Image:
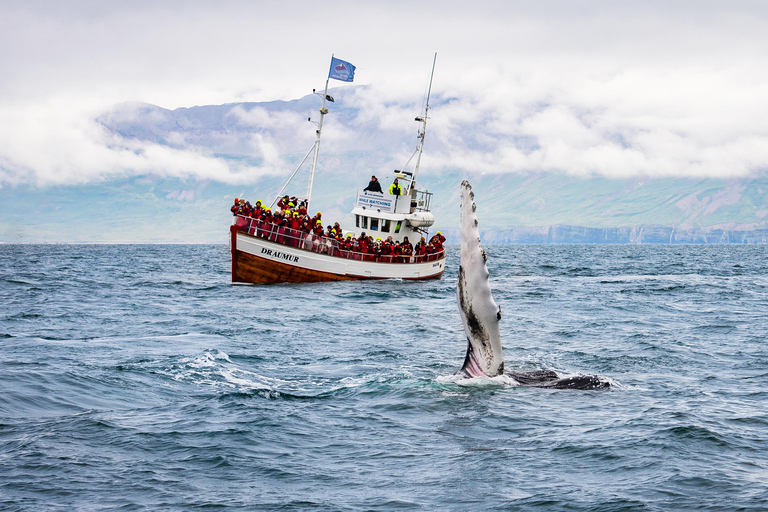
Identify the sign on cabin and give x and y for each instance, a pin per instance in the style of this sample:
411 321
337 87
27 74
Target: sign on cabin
375 201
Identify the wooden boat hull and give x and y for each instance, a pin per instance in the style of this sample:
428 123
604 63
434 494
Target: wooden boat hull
256 260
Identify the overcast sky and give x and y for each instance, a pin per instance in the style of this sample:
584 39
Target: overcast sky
613 88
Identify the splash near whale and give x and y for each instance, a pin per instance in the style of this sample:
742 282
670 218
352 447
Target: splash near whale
481 315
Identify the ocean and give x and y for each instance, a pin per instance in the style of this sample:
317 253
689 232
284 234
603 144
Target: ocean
137 377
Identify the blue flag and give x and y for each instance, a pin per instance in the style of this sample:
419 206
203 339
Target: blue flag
341 70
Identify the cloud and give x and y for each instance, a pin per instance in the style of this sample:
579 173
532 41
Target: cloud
62 144
690 122
181 195
616 89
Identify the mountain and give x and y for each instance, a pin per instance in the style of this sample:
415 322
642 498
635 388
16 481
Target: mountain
361 137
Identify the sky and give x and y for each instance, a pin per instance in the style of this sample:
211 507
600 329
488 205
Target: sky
617 89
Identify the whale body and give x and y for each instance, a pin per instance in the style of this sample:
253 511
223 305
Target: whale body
481 315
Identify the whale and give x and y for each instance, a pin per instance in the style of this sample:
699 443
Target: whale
481 315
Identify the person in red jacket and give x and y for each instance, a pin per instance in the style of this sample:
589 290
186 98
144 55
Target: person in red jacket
318 230
420 250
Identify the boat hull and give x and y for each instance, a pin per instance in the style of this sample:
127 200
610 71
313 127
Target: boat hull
256 260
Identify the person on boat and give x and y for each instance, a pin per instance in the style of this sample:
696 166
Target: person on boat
306 225
374 186
354 242
292 229
395 188
362 243
235 207
431 251
318 230
407 246
294 224
406 250
387 250
282 225
266 224
397 252
421 249
346 246
439 238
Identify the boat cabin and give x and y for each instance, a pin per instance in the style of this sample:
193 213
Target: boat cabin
381 215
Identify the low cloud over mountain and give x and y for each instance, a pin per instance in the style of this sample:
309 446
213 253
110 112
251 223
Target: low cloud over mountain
539 161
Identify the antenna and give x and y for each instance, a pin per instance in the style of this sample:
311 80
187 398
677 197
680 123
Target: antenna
422 133
426 110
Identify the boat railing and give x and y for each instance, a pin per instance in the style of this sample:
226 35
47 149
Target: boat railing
321 244
423 201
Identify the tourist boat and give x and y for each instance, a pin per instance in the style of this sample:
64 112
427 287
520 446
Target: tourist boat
265 253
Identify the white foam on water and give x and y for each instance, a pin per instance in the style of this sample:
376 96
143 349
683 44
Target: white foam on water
207 359
478 382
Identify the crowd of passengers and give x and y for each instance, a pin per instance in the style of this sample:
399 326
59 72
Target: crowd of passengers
291 225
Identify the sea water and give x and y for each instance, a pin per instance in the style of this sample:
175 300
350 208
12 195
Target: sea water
140 378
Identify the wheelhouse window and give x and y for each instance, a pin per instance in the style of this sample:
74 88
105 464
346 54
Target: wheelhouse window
365 222
398 226
374 224
385 225
357 221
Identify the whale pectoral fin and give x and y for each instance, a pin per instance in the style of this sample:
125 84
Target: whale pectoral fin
467 362
471 368
475 298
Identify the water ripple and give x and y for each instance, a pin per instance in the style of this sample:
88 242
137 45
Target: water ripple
138 378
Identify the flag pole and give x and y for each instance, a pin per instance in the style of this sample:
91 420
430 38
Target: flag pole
323 111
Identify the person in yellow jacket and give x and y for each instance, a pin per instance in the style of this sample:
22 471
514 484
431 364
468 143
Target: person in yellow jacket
395 189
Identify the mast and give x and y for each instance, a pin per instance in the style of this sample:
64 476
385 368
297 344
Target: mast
323 111
422 132
345 72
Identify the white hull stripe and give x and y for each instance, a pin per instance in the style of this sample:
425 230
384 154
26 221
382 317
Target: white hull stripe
335 265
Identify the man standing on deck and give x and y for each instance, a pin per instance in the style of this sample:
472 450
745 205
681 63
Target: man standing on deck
395 189
374 186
